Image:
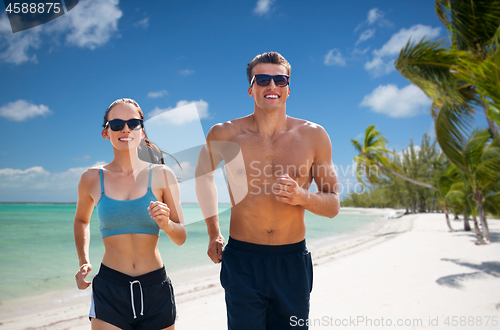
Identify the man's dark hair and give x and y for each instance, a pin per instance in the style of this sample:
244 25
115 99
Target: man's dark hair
269 57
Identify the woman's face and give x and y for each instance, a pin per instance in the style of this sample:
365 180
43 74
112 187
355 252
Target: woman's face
126 138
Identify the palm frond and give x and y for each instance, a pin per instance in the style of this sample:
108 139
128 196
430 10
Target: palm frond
452 123
430 66
474 23
492 204
357 145
443 11
485 76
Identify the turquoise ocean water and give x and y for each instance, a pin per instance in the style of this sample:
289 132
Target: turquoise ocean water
37 250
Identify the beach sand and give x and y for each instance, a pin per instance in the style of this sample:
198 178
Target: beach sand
410 273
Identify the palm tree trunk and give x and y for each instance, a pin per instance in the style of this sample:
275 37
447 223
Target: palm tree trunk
466 221
417 203
418 183
476 228
448 219
491 123
478 198
406 204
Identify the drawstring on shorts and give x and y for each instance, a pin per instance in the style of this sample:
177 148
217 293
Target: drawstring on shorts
132 297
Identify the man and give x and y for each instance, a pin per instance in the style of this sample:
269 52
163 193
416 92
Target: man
271 160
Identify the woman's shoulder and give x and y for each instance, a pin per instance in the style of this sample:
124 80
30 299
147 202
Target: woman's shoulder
162 171
89 181
91 174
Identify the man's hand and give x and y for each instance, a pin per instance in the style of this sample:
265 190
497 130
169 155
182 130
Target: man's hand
215 247
80 276
287 190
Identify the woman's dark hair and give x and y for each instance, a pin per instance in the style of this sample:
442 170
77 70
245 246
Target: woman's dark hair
147 151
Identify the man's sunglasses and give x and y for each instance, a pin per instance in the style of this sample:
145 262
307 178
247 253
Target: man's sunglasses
118 124
280 80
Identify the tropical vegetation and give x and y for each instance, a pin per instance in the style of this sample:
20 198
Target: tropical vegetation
461 74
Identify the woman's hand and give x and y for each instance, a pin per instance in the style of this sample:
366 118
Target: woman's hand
161 214
81 275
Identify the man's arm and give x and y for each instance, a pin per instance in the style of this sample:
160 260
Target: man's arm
206 192
326 201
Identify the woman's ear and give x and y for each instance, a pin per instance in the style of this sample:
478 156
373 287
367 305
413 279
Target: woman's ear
104 134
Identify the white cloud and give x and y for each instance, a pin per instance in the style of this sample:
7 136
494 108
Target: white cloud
399 39
390 100
143 23
157 94
32 171
378 67
357 51
186 72
367 34
15 46
374 15
91 23
5 24
38 184
182 117
407 150
263 7
383 58
88 25
22 110
334 57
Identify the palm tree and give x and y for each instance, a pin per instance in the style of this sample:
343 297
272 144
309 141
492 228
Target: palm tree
443 182
459 76
372 157
479 161
459 199
457 194
463 74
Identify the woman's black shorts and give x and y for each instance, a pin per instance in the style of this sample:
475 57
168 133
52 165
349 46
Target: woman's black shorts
133 303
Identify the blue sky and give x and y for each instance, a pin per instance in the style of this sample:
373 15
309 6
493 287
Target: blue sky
58 78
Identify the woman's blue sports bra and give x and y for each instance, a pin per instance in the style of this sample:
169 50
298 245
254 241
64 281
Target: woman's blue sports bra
118 217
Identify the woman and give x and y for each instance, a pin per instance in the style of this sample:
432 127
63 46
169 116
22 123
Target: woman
134 199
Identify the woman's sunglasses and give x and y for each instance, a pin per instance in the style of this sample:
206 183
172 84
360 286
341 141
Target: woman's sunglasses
280 80
118 124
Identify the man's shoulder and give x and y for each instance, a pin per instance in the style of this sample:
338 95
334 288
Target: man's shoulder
225 131
307 127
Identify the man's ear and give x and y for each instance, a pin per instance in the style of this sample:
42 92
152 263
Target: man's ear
104 134
250 91
288 93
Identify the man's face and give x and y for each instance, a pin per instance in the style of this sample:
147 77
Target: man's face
271 96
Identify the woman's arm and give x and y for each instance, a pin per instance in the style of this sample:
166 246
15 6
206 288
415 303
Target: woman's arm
168 212
81 228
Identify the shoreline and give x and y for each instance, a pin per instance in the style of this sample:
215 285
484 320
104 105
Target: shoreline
336 267
35 283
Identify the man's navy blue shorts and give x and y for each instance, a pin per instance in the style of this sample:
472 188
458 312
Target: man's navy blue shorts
266 286
133 303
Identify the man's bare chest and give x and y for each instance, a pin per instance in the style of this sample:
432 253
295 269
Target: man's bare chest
265 159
